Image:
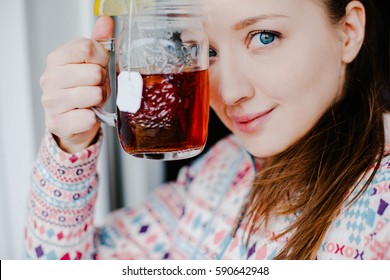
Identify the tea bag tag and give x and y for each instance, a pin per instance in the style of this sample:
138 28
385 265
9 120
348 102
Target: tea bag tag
129 94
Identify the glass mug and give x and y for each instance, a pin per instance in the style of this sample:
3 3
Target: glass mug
162 94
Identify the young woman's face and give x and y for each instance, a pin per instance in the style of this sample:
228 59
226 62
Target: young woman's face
275 68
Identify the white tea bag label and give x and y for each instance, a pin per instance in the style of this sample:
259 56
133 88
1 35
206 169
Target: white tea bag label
129 92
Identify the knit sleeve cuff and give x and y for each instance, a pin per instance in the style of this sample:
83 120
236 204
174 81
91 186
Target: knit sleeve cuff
68 168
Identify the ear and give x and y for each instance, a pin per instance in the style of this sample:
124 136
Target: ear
353 30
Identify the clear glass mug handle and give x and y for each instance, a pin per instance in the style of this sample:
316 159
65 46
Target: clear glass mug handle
103 116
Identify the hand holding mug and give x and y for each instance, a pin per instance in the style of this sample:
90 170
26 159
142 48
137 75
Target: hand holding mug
75 79
165 50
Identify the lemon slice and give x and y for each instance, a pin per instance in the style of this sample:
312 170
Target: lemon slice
111 7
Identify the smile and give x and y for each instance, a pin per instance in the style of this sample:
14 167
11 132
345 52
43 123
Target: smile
252 122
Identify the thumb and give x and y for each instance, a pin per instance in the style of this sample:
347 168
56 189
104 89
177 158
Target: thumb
103 29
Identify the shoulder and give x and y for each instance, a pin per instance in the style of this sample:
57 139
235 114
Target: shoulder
378 192
362 229
379 189
377 214
377 211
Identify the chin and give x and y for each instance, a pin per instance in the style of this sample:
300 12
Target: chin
259 153
264 148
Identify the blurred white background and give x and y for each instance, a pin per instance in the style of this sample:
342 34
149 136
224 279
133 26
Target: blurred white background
29 31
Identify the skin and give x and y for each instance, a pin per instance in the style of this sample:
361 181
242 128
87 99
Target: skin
269 95
74 80
293 80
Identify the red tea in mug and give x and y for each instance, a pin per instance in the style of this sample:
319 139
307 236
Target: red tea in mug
173 116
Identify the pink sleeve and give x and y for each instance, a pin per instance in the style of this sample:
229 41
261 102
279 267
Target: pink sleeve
61 203
61 206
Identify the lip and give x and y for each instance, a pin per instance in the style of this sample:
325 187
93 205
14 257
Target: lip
251 122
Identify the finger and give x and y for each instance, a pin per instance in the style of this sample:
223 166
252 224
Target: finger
73 75
79 51
75 98
72 123
103 29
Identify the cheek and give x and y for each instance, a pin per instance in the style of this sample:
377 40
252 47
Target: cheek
311 77
304 92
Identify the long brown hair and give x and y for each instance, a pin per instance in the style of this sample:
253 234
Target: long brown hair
315 176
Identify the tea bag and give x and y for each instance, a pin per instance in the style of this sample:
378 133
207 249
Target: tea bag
130 83
129 93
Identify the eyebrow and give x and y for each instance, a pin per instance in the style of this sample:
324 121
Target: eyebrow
249 21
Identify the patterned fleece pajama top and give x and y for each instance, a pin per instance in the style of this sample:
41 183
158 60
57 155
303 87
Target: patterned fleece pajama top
191 218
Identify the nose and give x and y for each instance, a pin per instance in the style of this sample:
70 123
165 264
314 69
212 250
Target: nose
233 83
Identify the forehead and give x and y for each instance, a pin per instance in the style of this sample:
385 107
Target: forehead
233 11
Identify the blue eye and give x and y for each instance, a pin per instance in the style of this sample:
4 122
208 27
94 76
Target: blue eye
262 39
212 53
266 38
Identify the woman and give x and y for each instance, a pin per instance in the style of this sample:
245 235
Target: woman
299 84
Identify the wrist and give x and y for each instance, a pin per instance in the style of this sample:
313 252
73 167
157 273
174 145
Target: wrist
79 144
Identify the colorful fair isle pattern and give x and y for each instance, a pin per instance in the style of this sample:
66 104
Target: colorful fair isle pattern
192 218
